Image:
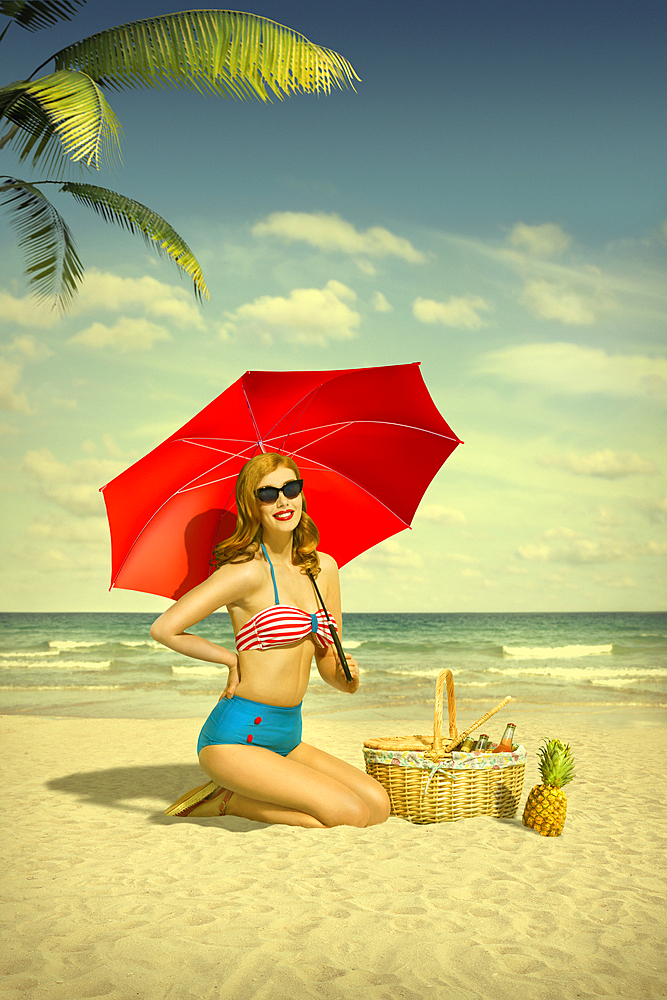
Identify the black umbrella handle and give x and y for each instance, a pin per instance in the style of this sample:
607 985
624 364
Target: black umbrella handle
334 633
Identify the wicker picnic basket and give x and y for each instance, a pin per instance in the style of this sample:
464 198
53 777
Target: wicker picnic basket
428 781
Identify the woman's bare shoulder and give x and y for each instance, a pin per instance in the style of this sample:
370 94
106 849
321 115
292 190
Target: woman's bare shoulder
328 564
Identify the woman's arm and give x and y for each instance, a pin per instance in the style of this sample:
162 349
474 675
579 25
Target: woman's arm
328 666
222 588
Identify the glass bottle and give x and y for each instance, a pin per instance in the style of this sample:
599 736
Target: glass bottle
505 745
467 745
482 743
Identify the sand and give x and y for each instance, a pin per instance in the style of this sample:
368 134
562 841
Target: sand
104 896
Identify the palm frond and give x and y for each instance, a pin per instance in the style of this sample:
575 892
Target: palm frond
64 114
53 266
214 51
35 14
140 220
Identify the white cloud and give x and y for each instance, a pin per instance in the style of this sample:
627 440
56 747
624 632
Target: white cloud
390 554
25 346
460 312
606 464
558 301
88 531
127 334
569 368
330 232
26 311
310 316
104 290
436 514
563 545
380 303
17 352
547 240
74 487
10 375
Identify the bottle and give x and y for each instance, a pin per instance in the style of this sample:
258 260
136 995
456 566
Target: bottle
482 743
466 746
505 745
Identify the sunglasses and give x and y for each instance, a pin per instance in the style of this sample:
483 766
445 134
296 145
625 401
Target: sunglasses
269 494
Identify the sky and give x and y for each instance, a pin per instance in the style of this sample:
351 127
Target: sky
490 202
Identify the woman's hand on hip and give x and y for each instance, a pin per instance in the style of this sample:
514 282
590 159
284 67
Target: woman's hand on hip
232 681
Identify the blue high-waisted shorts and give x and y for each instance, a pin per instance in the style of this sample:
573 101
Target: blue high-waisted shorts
239 720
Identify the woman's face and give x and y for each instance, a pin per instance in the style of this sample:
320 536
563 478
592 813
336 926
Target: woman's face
283 515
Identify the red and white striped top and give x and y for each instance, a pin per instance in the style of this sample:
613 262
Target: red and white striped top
281 625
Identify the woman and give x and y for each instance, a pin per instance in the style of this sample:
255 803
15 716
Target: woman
250 745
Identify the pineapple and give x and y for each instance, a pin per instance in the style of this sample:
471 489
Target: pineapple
547 805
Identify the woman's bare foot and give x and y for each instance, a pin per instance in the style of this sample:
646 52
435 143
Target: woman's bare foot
215 805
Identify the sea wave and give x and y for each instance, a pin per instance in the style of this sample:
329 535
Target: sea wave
203 671
61 687
27 653
58 664
554 652
73 644
596 675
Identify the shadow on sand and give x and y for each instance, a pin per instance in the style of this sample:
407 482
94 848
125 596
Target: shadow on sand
119 787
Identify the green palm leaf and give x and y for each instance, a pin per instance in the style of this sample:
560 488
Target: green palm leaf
53 265
139 219
63 115
35 14
213 51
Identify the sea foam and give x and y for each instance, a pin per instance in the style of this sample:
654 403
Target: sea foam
554 652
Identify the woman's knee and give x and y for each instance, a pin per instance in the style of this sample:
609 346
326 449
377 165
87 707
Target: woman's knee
380 805
348 810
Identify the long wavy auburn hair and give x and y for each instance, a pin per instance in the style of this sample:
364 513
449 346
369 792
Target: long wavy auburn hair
243 544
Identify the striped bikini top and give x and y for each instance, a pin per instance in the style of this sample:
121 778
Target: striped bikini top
282 625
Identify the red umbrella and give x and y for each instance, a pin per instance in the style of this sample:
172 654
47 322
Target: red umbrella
367 441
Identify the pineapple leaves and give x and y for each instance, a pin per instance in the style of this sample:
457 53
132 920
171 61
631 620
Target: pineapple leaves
213 51
142 221
60 117
35 14
53 266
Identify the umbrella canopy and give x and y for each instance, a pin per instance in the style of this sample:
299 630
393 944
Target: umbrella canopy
367 441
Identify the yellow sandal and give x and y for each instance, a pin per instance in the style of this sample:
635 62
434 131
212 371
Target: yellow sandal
183 807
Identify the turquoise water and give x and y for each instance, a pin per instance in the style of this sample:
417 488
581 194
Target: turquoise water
106 665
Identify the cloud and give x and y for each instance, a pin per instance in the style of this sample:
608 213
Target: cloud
605 464
125 335
436 514
10 375
17 352
26 347
390 554
569 368
309 316
74 487
547 240
104 290
457 312
26 311
88 531
380 303
563 545
558 301
330 232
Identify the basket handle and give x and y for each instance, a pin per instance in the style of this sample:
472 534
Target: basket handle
444 677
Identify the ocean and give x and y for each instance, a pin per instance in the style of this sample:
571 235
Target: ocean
106 665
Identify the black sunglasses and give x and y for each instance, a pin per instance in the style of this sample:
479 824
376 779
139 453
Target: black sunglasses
269 494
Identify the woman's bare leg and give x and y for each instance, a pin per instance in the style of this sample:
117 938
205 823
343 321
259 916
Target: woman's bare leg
367 788
274 789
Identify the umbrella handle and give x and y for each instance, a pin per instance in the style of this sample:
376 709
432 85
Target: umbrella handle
334 633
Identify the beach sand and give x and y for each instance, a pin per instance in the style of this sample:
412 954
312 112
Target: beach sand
104 896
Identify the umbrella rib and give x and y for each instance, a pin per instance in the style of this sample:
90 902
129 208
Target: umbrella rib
358 486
